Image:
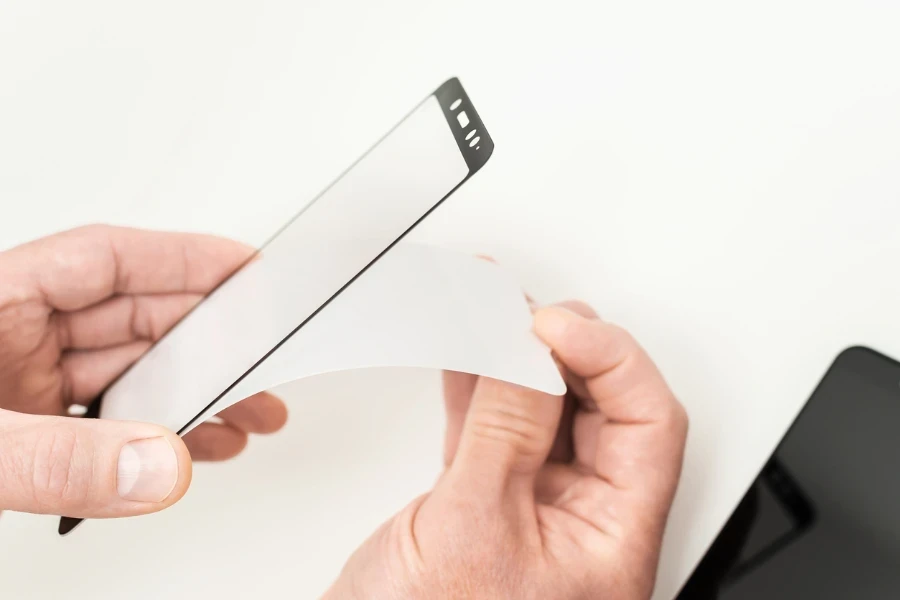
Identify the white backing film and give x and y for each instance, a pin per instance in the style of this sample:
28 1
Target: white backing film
419 306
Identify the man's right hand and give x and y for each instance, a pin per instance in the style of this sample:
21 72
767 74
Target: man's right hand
543 498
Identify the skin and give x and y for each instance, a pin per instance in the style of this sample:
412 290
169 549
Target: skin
76 309
541 497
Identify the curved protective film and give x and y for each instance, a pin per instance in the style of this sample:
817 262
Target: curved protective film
308 263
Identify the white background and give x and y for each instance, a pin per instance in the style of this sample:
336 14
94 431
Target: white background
722 179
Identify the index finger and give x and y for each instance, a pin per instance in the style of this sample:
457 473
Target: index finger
78 268
641 442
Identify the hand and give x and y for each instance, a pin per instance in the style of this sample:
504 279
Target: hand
76 309
542 497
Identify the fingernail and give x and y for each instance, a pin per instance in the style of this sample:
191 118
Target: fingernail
552 322
148 470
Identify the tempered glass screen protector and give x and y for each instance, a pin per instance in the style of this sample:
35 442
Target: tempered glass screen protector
309 262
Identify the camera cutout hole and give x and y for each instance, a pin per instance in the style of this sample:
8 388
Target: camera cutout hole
463 118
456 104
470 134
474 141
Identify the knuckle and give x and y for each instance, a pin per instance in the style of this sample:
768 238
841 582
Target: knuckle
676 415
511 428
58 474
90 231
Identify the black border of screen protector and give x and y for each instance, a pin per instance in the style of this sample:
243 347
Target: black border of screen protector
720 565
476 148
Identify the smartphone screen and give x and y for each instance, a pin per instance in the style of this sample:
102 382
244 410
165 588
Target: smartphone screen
823 518
330 243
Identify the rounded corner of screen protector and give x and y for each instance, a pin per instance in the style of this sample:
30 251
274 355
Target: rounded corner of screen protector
311 260
473 139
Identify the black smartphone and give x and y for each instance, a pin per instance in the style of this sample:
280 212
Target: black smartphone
822 519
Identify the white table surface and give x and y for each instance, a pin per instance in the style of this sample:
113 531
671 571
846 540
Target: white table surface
723 180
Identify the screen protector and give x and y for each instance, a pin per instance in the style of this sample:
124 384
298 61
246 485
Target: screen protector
307 264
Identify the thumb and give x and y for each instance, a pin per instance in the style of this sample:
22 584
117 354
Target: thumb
89 468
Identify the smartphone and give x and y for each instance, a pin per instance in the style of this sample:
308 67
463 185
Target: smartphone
822 519
327 246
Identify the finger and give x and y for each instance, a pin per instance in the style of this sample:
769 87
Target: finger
105 261
553 481
587 498
506 437
215 442
122 319
88 372
563 450
260 413
579 307
458 389
89 468
641 443
575 384
586 428
577 388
